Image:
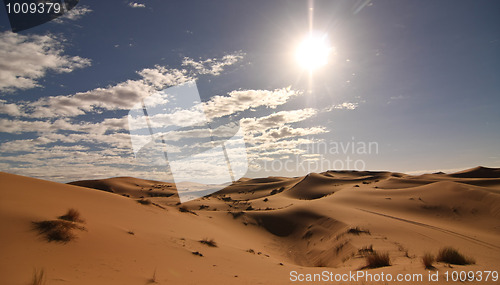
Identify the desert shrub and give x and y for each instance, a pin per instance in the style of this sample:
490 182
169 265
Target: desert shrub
197 253
57 230
209 242
452 256
357 231
72 215
60 230
376 260
428 260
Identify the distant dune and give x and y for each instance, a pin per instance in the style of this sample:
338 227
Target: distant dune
129 186
256 231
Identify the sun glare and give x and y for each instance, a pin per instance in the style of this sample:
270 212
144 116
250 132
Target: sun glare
313 52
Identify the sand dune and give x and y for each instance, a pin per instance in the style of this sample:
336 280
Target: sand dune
478 172
133 187
262 228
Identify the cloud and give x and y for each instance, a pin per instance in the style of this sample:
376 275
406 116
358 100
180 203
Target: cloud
55 140
9 109
70 163
429 171
161 76
272 148
63 124
396 98
240 100
212 66
60 140
137 5
343 106
259 125
287 132
216 107
121 96
27 58
270 136
74 14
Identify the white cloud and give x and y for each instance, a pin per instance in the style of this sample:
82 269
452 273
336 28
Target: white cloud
137 5
17 126
223 131
27 58
241 100
259 125
281 147
430 171
311 155
287 132
121 96
70 163
59 141
101 147
160 76
73 14
271 135
342 106
63 124
9 109
212 66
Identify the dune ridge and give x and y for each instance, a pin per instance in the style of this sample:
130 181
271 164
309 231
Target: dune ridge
263 228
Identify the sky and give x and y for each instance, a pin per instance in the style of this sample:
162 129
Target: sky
409 86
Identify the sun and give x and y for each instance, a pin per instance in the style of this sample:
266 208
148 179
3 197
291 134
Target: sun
312 53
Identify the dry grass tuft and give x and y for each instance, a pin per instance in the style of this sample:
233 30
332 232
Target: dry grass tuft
209 242
38 277
376 260
357 231
57 230
60 230
72 215
153 278
366 250
428 261
197 253
452 256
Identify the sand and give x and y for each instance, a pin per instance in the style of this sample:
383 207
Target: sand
263 229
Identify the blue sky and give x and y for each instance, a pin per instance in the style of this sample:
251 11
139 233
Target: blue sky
418 79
